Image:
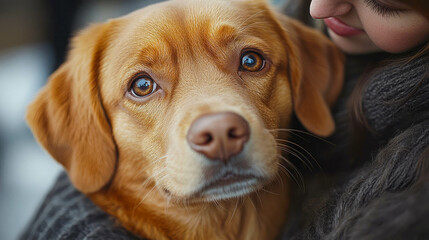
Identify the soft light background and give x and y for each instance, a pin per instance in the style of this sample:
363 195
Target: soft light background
27 58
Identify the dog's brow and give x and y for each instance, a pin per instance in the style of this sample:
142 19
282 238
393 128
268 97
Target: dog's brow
224 34
149 56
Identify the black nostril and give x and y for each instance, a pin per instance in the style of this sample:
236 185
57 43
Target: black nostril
208 138
232 133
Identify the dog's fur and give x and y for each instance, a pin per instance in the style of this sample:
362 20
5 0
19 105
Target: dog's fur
131 157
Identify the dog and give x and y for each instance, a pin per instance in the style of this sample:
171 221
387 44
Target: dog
169 118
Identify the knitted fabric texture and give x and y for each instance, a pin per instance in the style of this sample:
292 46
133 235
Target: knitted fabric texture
68 214
388 197
395 94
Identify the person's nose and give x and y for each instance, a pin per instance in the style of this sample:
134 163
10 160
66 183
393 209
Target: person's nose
329 8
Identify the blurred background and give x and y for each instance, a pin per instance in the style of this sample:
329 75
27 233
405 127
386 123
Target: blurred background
34 38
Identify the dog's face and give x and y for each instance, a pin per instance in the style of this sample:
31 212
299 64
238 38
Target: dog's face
186 97
192 99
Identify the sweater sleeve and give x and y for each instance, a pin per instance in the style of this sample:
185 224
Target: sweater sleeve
68 214
385 199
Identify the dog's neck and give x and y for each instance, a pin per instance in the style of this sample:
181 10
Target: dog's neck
259 215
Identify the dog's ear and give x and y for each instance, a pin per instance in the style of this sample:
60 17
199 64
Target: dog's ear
316 71
68 117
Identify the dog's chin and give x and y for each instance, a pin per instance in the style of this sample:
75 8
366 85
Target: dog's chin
225 187
230 186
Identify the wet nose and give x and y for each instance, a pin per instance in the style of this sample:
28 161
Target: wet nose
329 8
219 136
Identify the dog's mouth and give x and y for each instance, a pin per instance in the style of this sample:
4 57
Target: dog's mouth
229 185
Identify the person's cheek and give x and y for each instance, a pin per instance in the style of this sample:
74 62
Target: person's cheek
388 39
398 34
395 40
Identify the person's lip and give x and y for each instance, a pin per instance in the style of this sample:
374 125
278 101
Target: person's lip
340 28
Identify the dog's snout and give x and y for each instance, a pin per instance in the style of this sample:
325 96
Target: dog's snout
219 136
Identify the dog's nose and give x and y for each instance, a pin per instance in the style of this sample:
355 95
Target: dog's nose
219 136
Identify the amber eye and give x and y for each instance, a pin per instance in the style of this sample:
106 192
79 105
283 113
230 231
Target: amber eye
143 86
252 62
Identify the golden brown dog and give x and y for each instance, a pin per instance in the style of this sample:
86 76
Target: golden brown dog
168 118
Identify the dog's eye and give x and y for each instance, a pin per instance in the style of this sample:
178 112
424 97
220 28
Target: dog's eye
252 62
143 86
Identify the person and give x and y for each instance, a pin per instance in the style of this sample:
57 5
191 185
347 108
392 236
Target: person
378 164
359 27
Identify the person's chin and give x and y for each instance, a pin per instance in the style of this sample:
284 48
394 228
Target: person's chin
354 45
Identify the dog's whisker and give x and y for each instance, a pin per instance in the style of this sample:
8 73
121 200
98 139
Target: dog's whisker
251 202
297 145
152 178
153 175
265 190
242 202
259 198
144 185
296 154
279 177
219 204
150 164
303 149
148 193
136 205
216 203
142 200
284 171
290 174
293 167
296 132
167 205
288 130
233 211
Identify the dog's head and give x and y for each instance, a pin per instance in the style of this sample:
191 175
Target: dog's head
187 96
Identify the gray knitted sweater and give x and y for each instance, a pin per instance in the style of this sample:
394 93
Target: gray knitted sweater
68 214
388 196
